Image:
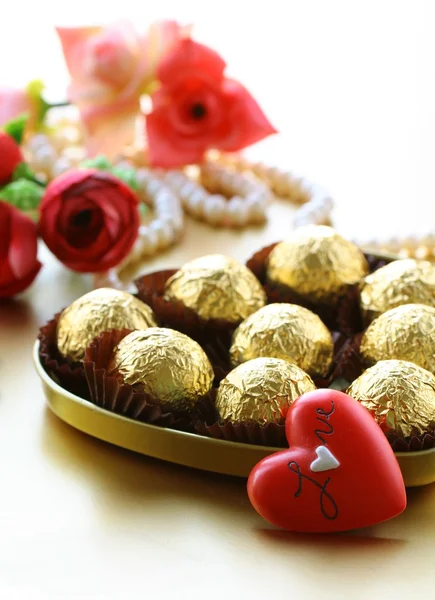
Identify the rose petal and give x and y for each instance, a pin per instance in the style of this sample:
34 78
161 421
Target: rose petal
65 182
19 285
5 229
166 147
153 46
248 123
13 103
190 57
111 207
23 246
74 42
124 245
110 128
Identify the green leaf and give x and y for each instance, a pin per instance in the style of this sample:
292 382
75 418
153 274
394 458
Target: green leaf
15 127
23 171
99 162
125 174
23 194
128 176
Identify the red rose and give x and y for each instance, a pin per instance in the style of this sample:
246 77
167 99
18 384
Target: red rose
18 249
10 157
89 220
197 108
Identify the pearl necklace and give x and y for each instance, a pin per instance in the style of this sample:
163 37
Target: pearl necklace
226 191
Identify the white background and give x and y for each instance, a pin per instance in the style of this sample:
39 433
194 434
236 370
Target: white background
349 84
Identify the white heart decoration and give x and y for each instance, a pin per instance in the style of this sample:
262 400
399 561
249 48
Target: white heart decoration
325 460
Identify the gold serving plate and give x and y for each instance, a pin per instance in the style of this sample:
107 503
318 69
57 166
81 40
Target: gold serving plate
188 449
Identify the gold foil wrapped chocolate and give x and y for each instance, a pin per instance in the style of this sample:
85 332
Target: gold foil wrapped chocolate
216 287
286 331
317 264
400 395
100 310
171 368
405 333
405 281
261 391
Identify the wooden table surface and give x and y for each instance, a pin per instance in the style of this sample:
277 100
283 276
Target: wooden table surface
351 86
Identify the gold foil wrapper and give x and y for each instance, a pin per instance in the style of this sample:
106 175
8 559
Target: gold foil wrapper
261 391
405 333
100 310
317 264
400 395
285 331
216 287
405 281
171 368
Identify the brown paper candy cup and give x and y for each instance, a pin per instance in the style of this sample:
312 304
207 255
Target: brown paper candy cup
345 317
413 443
208 424
346 363
174 314
110 394
214 336
68 374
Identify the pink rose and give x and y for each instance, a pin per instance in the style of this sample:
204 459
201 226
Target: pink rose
111 67
197 108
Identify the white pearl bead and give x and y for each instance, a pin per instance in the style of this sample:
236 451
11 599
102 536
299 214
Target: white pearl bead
196 203
236 210
175 178
215 208
38 141
75 154
136 251
188 189
227 180
142 178
257 198
153 188
165 201
260 169
255 209
149 242
43 158
163 231
178 225
61 165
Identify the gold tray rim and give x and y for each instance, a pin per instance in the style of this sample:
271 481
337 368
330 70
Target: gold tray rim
187 449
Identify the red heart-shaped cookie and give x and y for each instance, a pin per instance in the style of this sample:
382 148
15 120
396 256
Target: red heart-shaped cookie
340 471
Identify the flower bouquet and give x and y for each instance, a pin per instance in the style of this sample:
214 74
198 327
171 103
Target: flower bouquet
150 106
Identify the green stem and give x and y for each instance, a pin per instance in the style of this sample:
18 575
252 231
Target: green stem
59 104
37 181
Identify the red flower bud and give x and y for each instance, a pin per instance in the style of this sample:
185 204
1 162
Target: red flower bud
18 249
10 157
89 220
